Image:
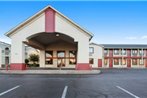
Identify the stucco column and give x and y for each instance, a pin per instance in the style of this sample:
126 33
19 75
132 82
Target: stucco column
0 57
17 55
83 55
42 58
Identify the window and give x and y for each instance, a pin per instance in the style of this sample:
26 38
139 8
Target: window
134 52
116 51
3 51
123 61
105 52
7 51
144 52
141 52
60 54
141 61
105 61
124 52
72 57
6 60
49 57
91 61
116 61
91 50
134 61
61 58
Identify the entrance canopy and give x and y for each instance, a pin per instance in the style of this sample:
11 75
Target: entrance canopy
43 40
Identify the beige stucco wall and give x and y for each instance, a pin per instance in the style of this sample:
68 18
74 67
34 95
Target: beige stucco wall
98 54
66 27
35 26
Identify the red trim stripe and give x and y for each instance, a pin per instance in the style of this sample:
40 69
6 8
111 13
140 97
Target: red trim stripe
49 20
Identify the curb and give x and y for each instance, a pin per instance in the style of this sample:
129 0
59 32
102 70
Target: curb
49 72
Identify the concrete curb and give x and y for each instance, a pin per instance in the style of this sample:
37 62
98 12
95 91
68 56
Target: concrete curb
51 72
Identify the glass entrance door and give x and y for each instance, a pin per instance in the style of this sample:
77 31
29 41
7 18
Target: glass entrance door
60 58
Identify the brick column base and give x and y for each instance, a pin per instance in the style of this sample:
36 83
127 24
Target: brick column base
83 66
17 66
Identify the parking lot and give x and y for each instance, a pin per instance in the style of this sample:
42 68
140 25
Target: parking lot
111 83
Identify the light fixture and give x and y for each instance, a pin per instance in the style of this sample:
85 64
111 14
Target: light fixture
57 35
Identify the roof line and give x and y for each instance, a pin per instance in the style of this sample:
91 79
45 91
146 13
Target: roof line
5 43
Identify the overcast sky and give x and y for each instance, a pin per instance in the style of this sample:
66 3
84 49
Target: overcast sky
110 22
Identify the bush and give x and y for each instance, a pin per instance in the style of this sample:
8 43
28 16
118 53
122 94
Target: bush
26 61
34 58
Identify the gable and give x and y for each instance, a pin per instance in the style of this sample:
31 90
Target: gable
49 22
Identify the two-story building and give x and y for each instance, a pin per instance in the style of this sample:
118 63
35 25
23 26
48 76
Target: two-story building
4 54
118 56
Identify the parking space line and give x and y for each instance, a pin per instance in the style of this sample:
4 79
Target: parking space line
127 92
9 90
64 92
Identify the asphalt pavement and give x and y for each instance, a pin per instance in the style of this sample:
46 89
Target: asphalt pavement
111 83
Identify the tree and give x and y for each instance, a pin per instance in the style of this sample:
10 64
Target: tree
34 58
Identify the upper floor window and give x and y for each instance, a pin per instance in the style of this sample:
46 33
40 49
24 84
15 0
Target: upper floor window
140 52
116 51
7 51
3 51
134 52
105 52
91 50
124 52
144 52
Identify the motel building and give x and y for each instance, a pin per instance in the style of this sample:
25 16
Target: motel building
61 42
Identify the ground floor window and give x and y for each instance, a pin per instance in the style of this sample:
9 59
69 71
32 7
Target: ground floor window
105 61
91 60
134 61
6 60
49 57
141 61
60 58
72 57
123 61
116 61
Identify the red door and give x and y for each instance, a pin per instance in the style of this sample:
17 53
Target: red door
99 62
110 63
146 63
129 63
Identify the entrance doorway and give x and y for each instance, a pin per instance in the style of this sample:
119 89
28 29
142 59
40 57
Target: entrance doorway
60 58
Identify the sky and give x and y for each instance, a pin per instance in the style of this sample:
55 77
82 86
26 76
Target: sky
111 22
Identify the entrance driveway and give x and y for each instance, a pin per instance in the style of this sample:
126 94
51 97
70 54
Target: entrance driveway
111 83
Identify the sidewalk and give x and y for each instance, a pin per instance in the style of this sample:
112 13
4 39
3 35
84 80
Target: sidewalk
51 72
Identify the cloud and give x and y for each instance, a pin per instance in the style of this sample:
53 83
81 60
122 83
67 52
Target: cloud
5 39
144 37
131 37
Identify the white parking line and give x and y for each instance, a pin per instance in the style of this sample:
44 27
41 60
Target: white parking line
127 92
64 92
9 90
